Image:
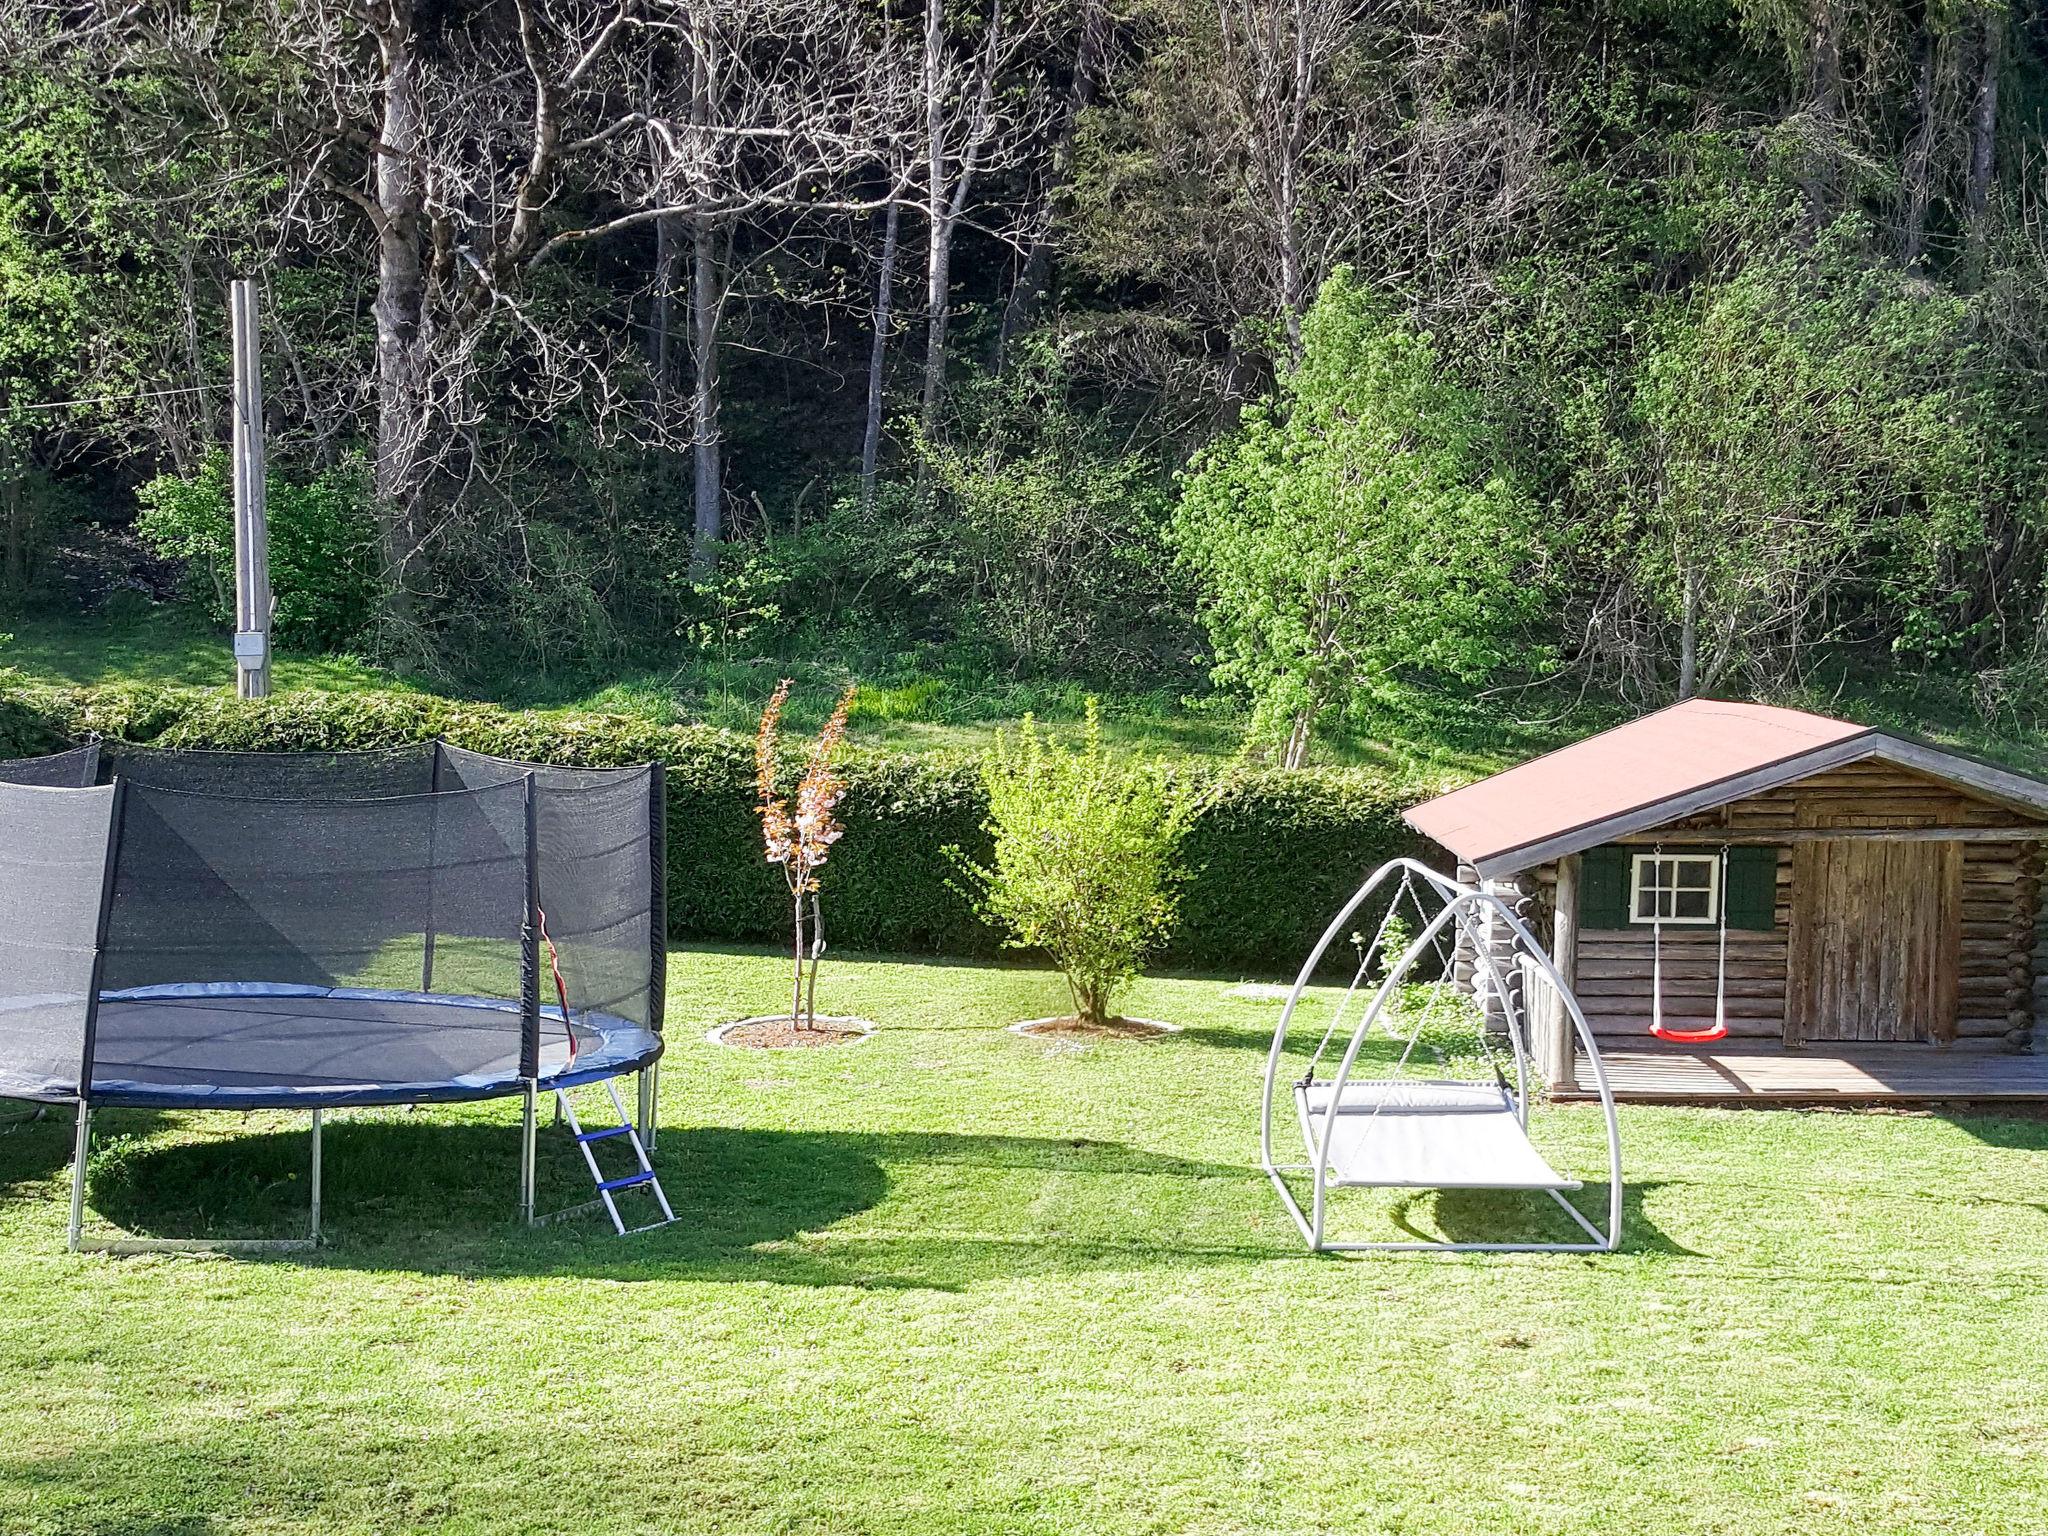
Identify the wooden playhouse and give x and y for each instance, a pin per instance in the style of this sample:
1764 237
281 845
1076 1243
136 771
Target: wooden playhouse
1753 902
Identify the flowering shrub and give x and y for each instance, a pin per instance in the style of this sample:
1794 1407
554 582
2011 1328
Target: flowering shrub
799 831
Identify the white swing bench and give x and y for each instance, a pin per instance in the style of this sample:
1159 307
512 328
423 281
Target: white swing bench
1402 1132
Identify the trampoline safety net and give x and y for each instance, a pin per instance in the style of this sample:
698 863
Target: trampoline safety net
365 925
60 770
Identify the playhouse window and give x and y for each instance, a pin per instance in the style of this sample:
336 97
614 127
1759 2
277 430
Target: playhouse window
1675 888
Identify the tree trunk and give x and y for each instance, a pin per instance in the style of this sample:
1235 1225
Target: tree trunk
817 948
1036 274
878 351
1689 638
13 527
1298 739
661 355
1984 124
796 993
706 298
399 310
1824 102
938 282
1915 172
939 245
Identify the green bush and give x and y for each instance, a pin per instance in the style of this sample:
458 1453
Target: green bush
1270 857
1086 864
323 558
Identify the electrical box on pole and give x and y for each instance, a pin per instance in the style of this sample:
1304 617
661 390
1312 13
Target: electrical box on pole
252 531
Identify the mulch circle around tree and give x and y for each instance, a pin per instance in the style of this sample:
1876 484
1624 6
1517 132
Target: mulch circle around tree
778 1032
1070 1027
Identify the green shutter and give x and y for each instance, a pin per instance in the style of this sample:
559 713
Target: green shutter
1603 887
1752 895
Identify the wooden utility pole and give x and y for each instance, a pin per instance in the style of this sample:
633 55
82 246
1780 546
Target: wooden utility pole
252 530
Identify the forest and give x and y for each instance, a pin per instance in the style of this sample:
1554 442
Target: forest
1285 355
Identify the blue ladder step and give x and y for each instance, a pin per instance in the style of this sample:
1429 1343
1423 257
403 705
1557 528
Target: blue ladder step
645 1176
613 1130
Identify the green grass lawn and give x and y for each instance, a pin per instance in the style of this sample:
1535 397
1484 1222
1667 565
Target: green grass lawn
955 1280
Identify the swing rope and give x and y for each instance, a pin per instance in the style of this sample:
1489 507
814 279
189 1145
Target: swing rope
1365 960
1718 1030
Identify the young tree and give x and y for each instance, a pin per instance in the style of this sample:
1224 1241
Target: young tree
1357 531
798 832
1086 865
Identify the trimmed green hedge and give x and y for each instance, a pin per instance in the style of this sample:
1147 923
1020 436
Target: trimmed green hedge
1272 858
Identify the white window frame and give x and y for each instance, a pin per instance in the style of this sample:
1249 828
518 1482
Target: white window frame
1642 863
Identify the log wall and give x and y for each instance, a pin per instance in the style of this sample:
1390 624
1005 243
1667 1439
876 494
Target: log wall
2002 970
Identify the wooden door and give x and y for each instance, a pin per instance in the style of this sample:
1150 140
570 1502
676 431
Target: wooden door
1876 939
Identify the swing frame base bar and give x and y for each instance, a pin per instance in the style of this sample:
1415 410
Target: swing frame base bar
1601 1242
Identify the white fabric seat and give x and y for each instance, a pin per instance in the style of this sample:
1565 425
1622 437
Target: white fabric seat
1409 1133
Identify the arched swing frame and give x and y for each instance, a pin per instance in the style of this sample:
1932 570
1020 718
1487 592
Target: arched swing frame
1469 908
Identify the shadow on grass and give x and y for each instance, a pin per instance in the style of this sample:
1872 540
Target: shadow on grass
2022 1131
35 1147
751 1205
1510 1216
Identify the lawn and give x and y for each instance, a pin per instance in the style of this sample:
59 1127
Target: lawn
956 1280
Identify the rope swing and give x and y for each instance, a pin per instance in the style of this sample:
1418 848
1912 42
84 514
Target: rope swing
1718 1030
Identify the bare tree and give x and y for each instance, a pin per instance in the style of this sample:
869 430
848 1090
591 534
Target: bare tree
784 105
978 118
1276 60
878 350
1091 60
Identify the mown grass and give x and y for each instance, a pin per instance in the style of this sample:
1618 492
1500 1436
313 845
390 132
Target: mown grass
956 1280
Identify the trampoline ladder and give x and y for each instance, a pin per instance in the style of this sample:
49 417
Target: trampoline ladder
643 1177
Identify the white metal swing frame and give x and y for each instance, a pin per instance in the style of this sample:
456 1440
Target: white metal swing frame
1433 1116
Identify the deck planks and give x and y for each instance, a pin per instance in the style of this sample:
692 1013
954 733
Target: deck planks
1843 1073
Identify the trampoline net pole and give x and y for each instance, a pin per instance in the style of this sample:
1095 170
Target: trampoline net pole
529 943
433 830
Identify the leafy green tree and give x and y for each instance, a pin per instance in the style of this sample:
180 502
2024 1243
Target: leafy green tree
323 558
1086 865
1821 450
1356 532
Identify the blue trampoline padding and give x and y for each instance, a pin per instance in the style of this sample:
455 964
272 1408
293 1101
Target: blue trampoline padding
266 1045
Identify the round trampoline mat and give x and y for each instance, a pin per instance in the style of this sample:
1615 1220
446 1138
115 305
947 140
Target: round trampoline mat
243 1045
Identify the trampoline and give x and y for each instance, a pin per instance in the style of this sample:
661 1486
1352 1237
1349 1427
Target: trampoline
318 931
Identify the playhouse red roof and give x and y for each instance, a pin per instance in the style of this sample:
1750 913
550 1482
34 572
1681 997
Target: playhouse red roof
1690 757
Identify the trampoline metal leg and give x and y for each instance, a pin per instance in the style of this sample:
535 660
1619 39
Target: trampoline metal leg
78 1155
650 1085
313 1223
529 1130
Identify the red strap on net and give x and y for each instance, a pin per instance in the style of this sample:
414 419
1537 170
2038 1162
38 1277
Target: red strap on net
561 990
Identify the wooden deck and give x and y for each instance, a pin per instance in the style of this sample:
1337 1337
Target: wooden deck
1841 1074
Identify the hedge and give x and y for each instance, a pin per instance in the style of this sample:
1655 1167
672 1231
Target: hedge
1271 859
